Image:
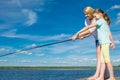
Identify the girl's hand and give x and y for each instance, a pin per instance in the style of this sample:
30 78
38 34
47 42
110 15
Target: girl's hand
74 37
112 45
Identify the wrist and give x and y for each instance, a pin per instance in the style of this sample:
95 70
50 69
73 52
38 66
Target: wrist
112 42
87 27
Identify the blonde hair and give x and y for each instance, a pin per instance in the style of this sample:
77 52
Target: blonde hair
105 15
89 10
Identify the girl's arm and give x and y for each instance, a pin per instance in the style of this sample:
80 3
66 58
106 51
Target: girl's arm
93 24
112 44
76 35
89 26
83 30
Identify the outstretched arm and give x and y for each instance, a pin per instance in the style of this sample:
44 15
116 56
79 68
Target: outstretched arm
84 31
89 26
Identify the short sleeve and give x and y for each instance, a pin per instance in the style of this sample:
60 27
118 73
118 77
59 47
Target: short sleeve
87 21
99 22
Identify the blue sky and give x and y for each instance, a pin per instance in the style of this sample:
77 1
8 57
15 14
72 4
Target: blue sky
29 23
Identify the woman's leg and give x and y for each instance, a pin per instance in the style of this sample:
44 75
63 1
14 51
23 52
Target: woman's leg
98 64
102 71
103 66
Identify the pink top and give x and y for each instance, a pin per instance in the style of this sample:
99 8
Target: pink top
93 30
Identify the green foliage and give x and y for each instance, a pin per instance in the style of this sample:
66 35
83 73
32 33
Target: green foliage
51 67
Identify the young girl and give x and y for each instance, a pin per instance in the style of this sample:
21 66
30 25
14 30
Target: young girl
104 40
88 11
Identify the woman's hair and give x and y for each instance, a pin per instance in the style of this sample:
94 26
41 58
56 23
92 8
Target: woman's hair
89 10
105 16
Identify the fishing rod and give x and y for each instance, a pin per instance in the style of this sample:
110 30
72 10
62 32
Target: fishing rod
36 47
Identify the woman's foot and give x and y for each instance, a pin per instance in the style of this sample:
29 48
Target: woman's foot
92 78
111 78
106 77
100 78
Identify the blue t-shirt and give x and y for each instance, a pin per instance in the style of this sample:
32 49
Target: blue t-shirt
103 31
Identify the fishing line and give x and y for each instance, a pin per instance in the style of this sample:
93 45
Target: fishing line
36 47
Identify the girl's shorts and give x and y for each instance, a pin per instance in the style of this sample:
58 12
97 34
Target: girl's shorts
105 56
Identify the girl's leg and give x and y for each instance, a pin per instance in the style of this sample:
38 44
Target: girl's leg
111 71
106 73
108 62
105 58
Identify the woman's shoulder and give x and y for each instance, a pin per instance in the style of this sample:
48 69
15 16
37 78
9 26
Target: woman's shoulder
93 20
87 21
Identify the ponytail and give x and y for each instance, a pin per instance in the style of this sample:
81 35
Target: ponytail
107 18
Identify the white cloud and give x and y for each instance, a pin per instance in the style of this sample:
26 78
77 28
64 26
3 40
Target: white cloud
14 12
31 16
12 34
2 61
25 61
17 2
115 7
40 54
118 18
58 58
62 48
4 50
117 41
76 60
116 60
93 59
43 62
75 47
30 46
24 52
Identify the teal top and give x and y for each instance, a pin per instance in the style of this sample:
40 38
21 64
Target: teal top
103 31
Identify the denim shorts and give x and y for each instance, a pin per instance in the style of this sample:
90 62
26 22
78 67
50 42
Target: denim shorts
97 43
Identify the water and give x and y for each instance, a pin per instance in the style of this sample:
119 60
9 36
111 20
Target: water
47 74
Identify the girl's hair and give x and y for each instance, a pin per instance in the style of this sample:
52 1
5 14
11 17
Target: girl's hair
89 10
105 16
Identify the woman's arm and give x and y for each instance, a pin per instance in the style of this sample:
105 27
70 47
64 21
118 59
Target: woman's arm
87 27
93 24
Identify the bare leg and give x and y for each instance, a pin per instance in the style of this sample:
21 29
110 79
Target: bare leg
98 61
96 75
111 71
105 58
106 75
102 71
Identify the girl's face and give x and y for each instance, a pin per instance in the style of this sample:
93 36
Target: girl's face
97 15
87 15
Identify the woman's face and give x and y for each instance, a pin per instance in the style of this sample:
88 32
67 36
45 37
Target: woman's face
87 15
